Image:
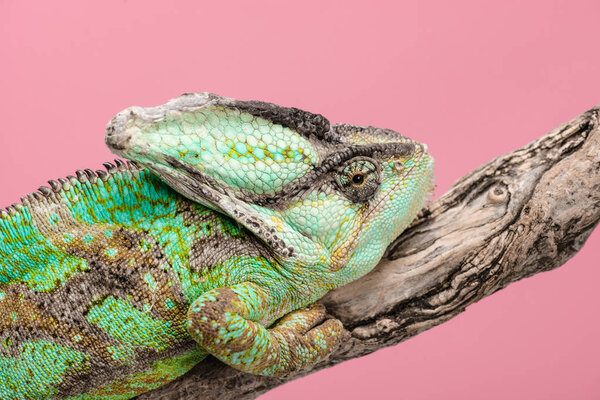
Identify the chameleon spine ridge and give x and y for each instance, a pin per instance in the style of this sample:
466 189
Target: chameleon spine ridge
63 184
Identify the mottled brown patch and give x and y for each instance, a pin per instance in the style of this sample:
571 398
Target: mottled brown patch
225 238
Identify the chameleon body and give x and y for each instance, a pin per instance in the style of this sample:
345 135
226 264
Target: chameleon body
112 283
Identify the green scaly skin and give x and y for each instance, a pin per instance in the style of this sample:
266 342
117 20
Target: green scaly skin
112 283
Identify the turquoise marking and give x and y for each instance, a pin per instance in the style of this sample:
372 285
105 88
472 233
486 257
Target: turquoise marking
53 219
150 281
169 304
47 362
240 148
87 239
129 325
259 153
26 256
234 329
111 252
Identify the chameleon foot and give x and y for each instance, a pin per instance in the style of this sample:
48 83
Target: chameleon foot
223 322
305 346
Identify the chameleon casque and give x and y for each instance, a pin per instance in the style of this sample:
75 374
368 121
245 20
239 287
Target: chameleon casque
234 219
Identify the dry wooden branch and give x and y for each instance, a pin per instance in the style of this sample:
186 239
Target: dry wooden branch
523 213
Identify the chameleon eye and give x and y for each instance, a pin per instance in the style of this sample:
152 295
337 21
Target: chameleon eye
359 179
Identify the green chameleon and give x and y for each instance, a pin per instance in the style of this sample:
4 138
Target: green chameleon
112 283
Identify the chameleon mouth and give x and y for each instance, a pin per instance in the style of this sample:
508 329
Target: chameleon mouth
118 142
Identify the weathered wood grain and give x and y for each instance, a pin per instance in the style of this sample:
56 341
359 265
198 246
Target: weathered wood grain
523 213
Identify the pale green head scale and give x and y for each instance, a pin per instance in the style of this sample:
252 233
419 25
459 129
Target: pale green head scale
317 194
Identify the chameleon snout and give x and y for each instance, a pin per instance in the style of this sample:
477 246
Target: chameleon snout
117 137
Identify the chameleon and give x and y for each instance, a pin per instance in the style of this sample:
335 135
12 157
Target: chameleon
231 219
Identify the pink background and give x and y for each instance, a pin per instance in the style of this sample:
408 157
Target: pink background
472 79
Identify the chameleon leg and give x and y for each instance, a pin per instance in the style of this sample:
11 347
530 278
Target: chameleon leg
223 322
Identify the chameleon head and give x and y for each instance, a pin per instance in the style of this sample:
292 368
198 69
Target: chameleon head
319 195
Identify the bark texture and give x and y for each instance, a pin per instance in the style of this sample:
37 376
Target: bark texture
522 213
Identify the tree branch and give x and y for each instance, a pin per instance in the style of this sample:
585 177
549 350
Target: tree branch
523 213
